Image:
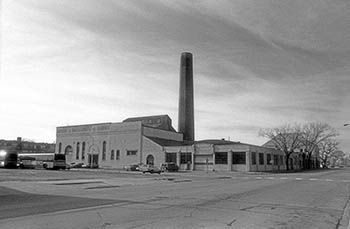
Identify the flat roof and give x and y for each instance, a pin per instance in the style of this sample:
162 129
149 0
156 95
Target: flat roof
167 142
90 124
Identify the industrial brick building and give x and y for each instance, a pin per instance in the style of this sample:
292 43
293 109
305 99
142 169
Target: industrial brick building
153 140
113 145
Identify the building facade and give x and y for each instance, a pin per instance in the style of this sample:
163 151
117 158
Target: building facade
114 145
221 155
138 140
298 159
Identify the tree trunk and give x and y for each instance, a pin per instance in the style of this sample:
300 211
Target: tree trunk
287 162
304 161
309 166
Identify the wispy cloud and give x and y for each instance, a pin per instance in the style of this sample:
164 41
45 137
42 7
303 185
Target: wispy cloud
256 64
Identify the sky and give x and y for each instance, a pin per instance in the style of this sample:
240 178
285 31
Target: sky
257 64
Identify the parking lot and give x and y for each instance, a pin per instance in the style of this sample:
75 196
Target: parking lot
87 198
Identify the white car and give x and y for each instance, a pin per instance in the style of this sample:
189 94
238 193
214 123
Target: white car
150 169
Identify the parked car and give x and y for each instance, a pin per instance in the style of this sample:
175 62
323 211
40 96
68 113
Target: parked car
170 167
77 165
132 167
150 169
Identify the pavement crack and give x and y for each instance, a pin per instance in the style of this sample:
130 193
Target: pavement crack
344 212
231 222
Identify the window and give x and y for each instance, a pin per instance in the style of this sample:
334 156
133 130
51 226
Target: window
275 159
268 159
281 160
104 150
150 160
253 158
185 158
170 157
261 159
131 152
60 147
117 155
78 149
83 151
68 150
238 158
221 158
112 154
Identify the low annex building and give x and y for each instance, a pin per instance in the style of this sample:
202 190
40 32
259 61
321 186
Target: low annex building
222 155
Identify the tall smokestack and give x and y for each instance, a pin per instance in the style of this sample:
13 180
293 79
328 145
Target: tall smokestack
186 113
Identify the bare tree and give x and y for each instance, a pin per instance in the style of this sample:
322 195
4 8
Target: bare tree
339 157
327 151
313 134
285 138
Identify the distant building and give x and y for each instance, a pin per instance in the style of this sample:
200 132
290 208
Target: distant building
21 146
298 159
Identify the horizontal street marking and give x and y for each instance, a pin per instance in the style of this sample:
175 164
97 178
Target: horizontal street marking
287 178
180 181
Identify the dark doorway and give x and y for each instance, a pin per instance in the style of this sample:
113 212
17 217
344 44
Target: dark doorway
150 160
93 160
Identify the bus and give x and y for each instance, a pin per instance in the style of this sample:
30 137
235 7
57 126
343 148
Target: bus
42 160
8 159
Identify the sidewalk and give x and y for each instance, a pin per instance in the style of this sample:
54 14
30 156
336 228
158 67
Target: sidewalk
196 173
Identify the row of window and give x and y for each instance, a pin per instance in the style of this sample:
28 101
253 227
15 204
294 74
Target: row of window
114 154
220 158
27 146
77 152
185 158
238 158
276 160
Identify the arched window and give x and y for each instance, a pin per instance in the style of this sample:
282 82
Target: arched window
60 147
112 154
68 150
78 149
150 160
117 155
83 151
104 150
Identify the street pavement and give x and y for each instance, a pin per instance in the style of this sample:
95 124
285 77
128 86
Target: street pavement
115 199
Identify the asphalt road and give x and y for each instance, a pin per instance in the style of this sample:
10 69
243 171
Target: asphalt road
109 199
